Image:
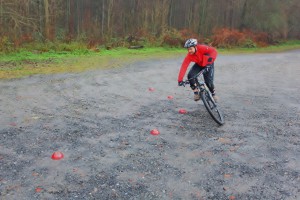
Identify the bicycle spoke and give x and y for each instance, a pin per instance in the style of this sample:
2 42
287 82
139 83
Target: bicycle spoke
212 107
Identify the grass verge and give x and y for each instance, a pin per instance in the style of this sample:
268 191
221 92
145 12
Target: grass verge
26 63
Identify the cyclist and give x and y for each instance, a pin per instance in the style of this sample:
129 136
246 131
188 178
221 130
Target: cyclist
203 56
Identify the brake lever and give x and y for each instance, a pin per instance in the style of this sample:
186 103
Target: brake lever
184 83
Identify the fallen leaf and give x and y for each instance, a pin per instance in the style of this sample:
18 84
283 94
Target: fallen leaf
35 174
227 175
224 140
233 148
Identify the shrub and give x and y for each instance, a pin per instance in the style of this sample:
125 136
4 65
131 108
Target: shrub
173 38
249 44
227 38
263 39
114 43
186 34
6 45
171 41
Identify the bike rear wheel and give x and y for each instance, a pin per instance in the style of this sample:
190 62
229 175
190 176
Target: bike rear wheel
211 107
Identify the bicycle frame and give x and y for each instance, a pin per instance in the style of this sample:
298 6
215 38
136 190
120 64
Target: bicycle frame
206 97
199 81
201 84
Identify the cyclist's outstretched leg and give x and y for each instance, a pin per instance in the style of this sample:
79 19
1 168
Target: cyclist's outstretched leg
209 80
192 73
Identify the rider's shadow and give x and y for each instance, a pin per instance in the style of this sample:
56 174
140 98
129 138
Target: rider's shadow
198 119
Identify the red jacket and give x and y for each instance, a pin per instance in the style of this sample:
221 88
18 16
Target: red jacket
201 56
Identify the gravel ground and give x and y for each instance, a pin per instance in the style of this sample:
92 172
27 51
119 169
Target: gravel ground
101 121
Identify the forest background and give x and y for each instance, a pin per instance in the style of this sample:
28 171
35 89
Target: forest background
157 22
39 26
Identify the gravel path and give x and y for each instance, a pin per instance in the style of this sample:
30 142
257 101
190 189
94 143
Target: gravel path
101 121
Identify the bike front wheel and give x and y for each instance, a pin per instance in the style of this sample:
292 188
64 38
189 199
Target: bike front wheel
211 107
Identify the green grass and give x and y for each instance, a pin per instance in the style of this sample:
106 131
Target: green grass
26 63
152 51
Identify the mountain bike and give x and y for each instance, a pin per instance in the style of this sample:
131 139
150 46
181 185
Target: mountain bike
206 97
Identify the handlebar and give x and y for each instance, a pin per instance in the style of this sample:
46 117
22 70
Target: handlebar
185 82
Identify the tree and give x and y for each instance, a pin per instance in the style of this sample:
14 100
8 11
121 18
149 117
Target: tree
105 19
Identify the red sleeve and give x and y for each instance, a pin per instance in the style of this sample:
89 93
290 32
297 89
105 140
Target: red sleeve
183 68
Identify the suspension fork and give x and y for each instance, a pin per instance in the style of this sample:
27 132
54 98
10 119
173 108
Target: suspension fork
200 85
203 87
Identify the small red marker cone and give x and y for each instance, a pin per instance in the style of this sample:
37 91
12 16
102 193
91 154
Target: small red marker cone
182 111
57 155
13 124
38 189
170 97
151 89
155 132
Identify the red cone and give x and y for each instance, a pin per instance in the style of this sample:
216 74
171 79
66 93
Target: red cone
57 155
38 189
151 89
155 132
182 111
13 124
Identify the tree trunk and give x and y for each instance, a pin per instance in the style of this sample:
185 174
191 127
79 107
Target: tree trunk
47 19
102 20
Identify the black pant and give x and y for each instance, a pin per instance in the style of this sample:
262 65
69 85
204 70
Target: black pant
208 76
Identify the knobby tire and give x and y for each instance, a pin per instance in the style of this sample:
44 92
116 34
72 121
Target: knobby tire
211 107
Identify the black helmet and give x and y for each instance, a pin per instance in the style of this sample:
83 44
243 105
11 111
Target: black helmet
190 43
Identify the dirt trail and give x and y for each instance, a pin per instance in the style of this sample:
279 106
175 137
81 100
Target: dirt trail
101 121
